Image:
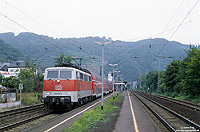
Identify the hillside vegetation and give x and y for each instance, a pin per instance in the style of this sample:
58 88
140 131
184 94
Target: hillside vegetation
8 53
180 79
44 49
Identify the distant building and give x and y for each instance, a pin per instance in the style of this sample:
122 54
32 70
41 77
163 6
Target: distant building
3 68
11 68
16 66
134 84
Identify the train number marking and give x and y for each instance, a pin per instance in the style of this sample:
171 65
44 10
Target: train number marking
58 87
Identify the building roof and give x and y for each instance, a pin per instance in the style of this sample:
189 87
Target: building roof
17 64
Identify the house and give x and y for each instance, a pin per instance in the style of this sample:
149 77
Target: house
11 68
15 66
4 67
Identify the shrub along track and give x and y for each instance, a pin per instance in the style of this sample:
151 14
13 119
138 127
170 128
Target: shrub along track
170 119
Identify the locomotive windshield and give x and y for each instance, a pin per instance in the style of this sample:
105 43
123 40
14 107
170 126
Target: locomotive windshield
65 74
60 74
52 74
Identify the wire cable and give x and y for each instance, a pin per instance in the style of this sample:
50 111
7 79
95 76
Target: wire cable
33 33
30 18
178 27
169 39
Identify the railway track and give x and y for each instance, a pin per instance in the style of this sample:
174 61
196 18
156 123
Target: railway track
190 105
189 111
171 120
20 110
13 118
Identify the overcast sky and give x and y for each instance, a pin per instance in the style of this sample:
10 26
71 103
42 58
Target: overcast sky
129 20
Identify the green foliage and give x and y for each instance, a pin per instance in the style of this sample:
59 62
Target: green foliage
62 59
119 52
171 77
92 116
143 82
152 81
10 82
180 79
30 98
191 82
8 53
31 82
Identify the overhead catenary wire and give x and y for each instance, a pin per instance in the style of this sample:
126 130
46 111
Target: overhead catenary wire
166 30
169 21
178 27
169 39
31 18
33 33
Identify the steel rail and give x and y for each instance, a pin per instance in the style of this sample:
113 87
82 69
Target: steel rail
174 113
165 123
14 112
26 107
22 122
196 107
193 106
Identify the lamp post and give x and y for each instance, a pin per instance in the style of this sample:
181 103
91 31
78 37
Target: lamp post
113 65
102 72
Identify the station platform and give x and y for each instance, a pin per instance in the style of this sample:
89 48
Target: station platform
8 105
133 118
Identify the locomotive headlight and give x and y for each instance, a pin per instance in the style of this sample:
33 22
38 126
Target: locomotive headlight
58 81
68 93
48 93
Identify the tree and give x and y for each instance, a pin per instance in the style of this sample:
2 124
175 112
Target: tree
152 81
26 77
143 82
191 82
9 82
62 59
172 76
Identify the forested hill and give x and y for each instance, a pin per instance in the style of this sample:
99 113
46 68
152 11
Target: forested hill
8 53
45 49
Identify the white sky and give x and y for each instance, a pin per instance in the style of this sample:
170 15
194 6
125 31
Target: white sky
128 20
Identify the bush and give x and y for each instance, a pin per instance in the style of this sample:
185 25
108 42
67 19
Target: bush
174 94
30 99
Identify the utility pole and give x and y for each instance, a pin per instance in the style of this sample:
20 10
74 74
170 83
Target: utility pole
113 65
158 58
117 79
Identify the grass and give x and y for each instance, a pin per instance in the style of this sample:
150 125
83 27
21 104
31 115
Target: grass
187 98
89 118
180 97
29 98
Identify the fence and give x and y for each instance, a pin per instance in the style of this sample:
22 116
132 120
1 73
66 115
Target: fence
7 94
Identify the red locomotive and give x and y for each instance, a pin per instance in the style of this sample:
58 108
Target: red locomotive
65 87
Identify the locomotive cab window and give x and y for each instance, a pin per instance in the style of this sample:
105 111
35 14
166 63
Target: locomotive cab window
52 74
65 74
86 77
90 78
81 76
77 75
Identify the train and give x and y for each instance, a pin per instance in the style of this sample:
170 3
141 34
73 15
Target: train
67 86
